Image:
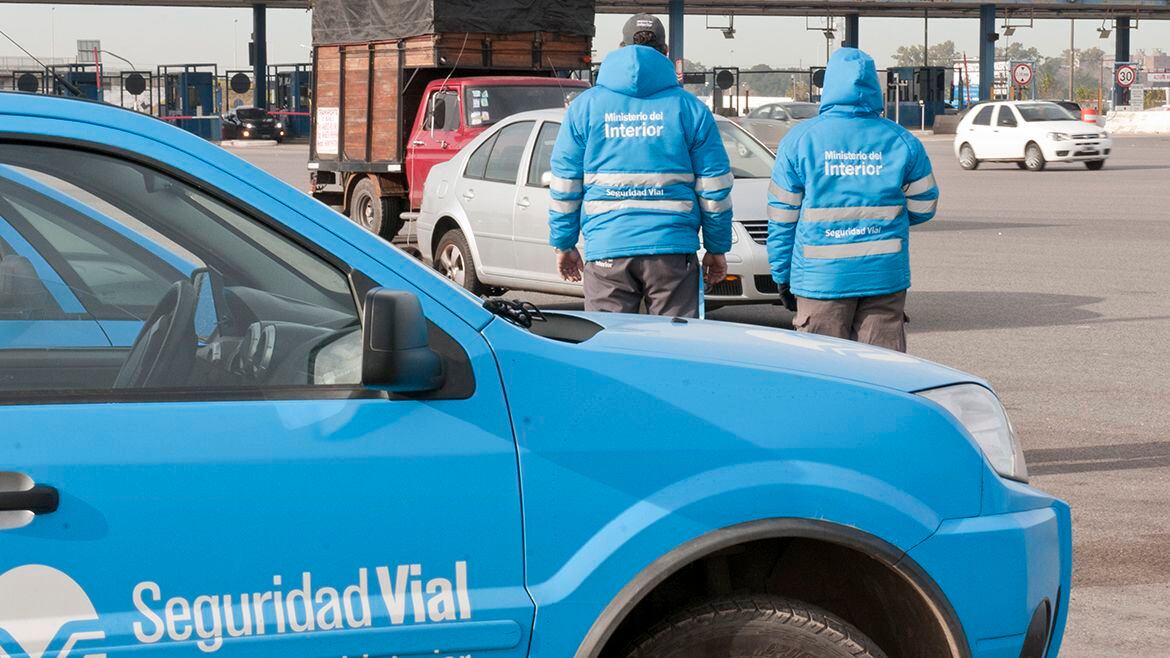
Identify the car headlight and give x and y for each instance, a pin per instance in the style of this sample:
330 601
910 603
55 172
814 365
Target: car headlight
980 412
249 125
1059 137
279 124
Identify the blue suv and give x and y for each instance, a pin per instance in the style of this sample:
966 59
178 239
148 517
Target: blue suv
236 424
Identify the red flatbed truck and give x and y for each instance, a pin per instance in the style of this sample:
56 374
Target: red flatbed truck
366 155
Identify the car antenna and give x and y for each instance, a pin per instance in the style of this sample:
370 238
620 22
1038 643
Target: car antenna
56 76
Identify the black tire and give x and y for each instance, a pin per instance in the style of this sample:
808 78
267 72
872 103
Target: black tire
453 260
1095 165
1034 157
967 159
1021 165
380 215
759 626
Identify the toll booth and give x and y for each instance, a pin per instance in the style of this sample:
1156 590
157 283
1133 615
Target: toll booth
290 96
188 98
915 95
84 77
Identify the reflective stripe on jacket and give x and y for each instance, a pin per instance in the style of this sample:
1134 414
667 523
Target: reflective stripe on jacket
639 165
846 188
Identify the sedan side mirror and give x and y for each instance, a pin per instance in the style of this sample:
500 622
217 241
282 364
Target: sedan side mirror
396 356
546 179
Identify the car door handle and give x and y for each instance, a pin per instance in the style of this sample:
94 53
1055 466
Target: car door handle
418 142
41 499
469 195
524 202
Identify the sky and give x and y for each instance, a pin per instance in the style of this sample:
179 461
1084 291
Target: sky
149 36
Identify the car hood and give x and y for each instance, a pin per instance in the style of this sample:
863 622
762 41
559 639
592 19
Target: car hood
749 198
704 341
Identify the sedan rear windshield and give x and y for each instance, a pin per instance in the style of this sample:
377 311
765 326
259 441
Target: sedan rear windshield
251 113
1044 112
487 105
803 110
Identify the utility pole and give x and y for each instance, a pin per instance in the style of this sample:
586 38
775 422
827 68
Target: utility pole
1072 56
926 37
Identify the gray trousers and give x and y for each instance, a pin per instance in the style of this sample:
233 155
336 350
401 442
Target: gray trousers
878 320
667 283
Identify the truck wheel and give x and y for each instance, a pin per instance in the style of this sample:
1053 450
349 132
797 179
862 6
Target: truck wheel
759 626
453 260
377 214
967 159
1034 157
1095 165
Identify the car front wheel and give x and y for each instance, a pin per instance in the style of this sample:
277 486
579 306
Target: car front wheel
453 260
1034 157
757 626
1095 165
967 159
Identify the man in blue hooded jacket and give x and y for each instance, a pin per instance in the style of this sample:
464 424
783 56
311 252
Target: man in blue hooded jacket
847 186
639 167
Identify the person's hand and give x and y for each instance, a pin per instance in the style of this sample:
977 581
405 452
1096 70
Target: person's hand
570 265
787 298
714 268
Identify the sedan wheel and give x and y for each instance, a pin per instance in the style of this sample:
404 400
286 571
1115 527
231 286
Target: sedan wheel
453 260
967 159
1034 158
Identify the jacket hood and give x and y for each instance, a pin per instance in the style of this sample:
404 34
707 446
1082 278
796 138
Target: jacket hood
638 71
851 83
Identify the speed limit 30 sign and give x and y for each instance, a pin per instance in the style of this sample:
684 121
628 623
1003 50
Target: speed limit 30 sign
1125 75
1022 74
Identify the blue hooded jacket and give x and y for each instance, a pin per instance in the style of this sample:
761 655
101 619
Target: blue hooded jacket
846 188
639 165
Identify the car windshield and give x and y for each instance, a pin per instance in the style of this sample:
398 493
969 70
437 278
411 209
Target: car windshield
803 110
251 113
487 105
1044 112
749 158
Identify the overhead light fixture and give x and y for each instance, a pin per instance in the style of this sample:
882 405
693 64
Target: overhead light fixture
727 30
1008 30
1103 31
729 33
830 34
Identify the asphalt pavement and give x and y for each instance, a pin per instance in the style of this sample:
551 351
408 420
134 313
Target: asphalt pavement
1052 286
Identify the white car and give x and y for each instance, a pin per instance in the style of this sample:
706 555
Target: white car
1029 133
484 217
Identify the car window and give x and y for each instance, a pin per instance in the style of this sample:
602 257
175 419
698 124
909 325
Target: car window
748 158
504 162
477 163
542 152
983 117
803 110
216 296
487 105
764 112
1006 117
1044 112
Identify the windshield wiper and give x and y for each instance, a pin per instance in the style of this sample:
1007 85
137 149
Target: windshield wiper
519 313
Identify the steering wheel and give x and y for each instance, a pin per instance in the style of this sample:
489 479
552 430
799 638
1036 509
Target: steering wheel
163 354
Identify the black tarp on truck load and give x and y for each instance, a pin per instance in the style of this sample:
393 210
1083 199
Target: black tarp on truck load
353 21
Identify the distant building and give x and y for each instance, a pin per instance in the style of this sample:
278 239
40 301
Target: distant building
1159 62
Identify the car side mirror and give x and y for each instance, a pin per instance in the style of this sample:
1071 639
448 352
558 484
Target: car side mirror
439 114
396 356
546 179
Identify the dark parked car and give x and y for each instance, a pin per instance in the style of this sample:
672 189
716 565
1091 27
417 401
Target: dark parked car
252 123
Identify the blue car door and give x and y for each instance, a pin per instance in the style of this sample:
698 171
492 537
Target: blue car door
231 489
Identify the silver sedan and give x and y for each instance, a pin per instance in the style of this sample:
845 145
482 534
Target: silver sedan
484 218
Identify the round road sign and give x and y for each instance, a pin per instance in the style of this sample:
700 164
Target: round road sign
1125 75
1022 74
135 84
240 83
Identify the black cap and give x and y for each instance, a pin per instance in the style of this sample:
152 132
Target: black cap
643 23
